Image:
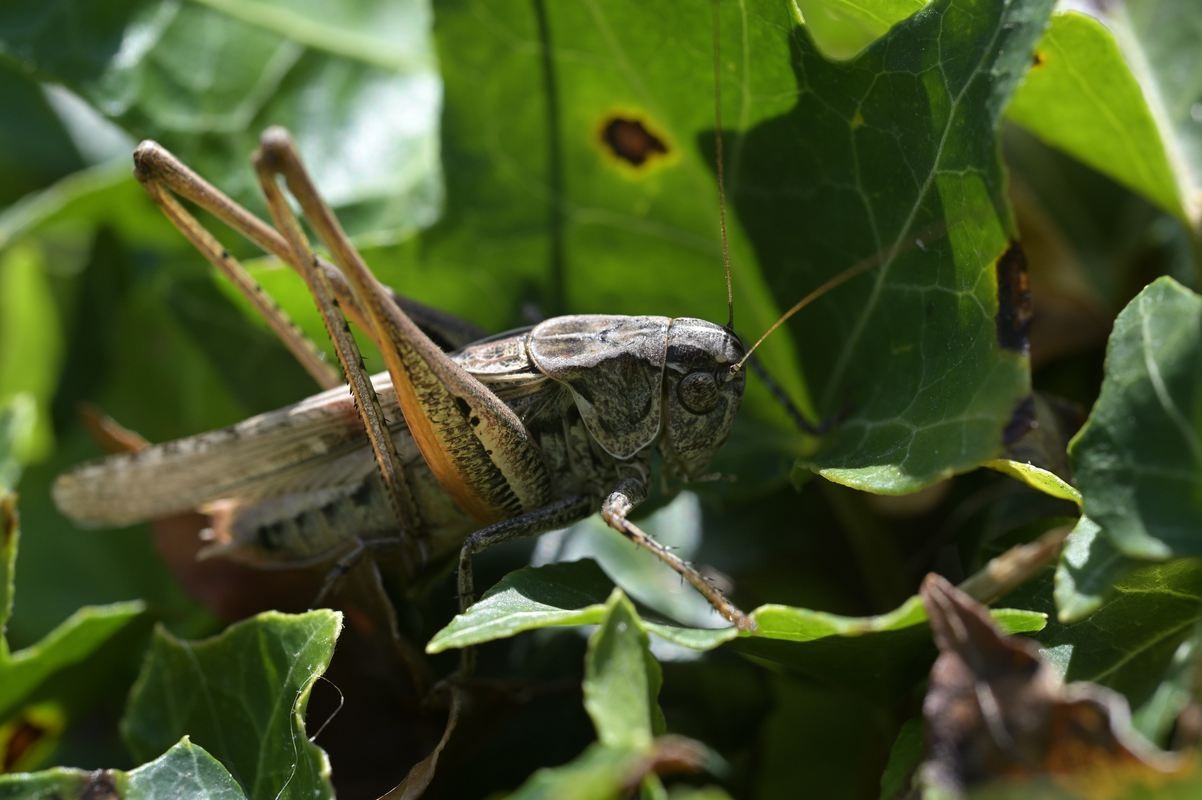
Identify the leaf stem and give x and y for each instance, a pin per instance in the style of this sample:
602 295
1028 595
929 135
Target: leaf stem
1014 567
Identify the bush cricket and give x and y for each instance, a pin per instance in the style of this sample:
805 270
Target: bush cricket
448 452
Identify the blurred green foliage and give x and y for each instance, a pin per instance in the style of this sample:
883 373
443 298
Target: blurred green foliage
465 146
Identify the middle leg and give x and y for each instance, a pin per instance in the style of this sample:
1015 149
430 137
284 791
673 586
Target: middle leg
621 501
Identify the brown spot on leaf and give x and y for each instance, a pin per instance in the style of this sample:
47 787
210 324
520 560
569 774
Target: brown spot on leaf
24 734
1014 309
1037 59
1022 421
631 141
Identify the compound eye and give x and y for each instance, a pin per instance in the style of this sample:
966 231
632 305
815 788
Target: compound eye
698 392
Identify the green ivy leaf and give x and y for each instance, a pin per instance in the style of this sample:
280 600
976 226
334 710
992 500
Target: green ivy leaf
621 690
571 593
1037 478
575 594
904 186
608 772
816 184
241 694
31 342
1159 39
622 679
1126 79
843 28
1129 639
597 774
356 84
185 770
1090 564
18 417
69 645
904 758
842 732
1082 98
1138 459
884 653
1157 716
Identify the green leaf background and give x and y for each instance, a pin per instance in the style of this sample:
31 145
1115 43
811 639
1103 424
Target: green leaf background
463 146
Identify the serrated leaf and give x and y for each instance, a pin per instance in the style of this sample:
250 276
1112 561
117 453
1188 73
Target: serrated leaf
355 82
242 695
1138 459
1081 97
622 679
185 770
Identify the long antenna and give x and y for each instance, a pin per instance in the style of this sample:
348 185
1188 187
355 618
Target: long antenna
720 166
843 277
859 268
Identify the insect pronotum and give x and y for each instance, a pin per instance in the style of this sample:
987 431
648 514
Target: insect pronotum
448 452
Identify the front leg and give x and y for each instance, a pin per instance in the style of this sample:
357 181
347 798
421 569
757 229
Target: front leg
621 501
558 514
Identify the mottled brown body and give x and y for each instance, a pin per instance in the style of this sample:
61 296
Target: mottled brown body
509 436
299 485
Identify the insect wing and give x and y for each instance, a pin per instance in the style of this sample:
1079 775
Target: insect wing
267 455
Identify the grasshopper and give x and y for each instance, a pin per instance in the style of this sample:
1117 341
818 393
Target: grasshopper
508 436
446 453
